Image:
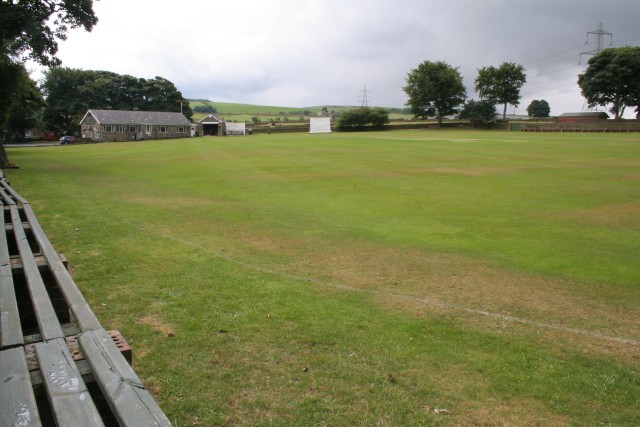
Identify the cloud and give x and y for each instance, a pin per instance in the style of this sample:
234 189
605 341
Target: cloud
303 53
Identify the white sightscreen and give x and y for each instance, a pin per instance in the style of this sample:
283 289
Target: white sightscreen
320 125
235 128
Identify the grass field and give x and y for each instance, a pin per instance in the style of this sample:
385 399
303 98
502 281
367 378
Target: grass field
362 278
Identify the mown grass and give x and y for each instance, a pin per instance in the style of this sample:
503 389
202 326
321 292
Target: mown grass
361 279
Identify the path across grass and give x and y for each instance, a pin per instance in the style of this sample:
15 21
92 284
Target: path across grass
361 279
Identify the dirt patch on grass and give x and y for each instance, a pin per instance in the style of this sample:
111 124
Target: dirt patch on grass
466 171
630 177
474 290
524 413
618 215
157 325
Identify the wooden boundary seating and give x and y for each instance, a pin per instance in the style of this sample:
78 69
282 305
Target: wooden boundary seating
604 126
58 366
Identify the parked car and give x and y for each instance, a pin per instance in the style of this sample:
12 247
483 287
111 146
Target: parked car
67 139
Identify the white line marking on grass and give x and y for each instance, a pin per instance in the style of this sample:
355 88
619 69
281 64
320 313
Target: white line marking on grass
430 139
342 286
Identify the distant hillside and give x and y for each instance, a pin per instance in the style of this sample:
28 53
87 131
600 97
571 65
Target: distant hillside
246 112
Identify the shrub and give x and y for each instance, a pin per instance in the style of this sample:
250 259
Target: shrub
358 118
205 109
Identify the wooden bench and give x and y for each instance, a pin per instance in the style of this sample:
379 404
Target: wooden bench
58 365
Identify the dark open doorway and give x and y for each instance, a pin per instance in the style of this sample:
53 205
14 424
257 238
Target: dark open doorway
210 129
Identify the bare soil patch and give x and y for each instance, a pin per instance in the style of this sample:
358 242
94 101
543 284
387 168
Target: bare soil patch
157 325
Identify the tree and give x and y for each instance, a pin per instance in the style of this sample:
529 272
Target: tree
71 92
26 107
31 28
21 103
359 118
538 108
434 89
501 85
479 111
68 97
613 78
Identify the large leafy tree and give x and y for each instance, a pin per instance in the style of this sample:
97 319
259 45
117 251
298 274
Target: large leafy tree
538 108
26 106
67 98
32 28
20 102
613 79
501 85
435 89
159 94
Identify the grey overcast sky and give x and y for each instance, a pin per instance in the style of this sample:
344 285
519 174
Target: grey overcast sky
301 53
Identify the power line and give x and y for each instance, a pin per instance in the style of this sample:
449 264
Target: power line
551 56
550 63
553 89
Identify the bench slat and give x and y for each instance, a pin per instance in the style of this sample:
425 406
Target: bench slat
70 401
17 402
10 328
5 185
127 396
6 199
45 313
82 314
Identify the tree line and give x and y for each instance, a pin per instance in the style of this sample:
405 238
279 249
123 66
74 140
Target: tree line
436 89
71 92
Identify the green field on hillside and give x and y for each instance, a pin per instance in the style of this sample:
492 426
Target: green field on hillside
245 112
382 278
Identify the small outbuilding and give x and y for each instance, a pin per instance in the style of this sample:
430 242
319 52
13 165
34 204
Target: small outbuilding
211 125
583 117
119 125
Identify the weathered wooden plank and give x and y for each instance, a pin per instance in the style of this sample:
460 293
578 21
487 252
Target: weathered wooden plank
10 328
4 196
70 401
5 185
130 401
17 402
16 263
9 227
82 314
73 345
47 320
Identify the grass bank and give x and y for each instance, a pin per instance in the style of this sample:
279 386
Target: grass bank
361 278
